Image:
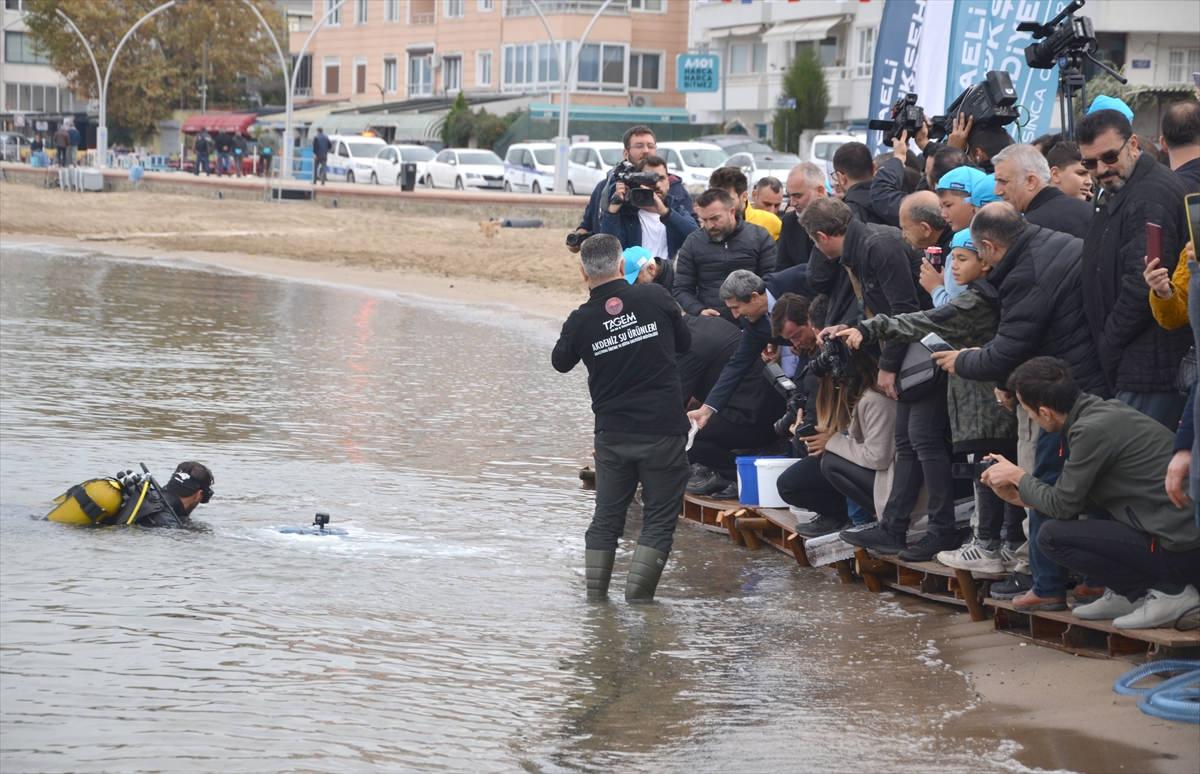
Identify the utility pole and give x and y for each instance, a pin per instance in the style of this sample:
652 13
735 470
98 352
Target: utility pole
204 78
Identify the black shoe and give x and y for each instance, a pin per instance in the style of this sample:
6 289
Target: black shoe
1016 585
929 546
876 538
728 492
820 526
707 485
698 473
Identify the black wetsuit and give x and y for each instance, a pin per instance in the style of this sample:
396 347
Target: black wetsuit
155 512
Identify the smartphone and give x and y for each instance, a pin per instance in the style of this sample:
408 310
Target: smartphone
1153 242
1192 202
935 343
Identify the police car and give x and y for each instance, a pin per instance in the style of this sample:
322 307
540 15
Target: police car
352 157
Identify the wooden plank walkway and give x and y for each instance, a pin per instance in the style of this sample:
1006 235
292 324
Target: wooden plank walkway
1099 639
928 580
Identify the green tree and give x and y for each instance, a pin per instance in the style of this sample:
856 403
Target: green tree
163 65
805 83
459 124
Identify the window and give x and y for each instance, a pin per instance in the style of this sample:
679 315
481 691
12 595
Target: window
657 6
36 98
360 12
333 69
13 5
1181 63
866 52
360 76
391 10
483 68
601 67
454 9
452 73
420 75
19 48
532 65
336 17
826 50
644 71
487 5
304 82
389 74
747 58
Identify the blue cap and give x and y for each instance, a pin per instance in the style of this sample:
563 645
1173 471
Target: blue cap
1104 102
636 258
984 191
963 239
962 179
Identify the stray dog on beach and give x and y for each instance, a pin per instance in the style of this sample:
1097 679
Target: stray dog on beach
489 228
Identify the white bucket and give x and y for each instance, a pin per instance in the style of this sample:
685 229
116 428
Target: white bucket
769 470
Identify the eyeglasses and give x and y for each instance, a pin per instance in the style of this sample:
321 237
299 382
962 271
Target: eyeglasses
1109 158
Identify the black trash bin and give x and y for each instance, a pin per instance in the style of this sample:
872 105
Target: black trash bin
408 176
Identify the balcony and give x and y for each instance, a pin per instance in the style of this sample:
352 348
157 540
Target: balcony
552 7
422 13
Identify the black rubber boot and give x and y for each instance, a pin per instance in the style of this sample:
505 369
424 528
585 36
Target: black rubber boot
599 565
644 572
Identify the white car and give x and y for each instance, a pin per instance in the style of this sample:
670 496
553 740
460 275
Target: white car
760 165
823 146
462 168
352 157
529 166
693 162
589 163
389 163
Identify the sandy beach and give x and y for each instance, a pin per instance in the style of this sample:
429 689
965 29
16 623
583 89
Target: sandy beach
1060 708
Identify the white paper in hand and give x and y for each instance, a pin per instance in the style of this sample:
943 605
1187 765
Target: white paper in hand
692 435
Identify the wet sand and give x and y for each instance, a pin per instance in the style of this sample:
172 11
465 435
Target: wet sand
1059 708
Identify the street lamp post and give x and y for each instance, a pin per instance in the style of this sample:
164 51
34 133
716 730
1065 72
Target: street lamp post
291 91
283 63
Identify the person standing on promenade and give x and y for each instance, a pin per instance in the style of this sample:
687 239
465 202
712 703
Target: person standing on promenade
320 148
628 335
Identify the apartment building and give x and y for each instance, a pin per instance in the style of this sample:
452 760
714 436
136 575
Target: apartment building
30 89
384 51
1156 42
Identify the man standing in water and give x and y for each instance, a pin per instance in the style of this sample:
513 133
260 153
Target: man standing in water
628 335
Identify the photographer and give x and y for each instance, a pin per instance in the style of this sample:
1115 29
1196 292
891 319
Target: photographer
648 215
724 244
1023 180
889 187
639 143
980 144
853 173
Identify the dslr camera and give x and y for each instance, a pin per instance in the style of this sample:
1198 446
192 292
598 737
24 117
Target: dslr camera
640 184
991 102
832 360
906 116
791 393
575 239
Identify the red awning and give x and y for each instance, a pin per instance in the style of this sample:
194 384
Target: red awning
220 122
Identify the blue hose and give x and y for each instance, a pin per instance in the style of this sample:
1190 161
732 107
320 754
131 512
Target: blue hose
1124 683
1176 699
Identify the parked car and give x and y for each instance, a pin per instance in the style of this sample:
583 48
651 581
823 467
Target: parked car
736 143
760 165
388 163
13 147
465 168
529 166
352 157
693 162
589 164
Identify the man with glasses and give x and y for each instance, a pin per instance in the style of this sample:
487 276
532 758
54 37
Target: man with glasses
660 225
805 184
1140 359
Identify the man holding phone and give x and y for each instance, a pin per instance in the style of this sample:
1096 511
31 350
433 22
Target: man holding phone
1140 360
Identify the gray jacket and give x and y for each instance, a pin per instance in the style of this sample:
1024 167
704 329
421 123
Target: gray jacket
1117 462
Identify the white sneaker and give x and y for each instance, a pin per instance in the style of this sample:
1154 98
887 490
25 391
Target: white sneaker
1160 609
973 557
1009 557
1111 605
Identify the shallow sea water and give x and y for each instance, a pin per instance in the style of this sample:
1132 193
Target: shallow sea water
448 629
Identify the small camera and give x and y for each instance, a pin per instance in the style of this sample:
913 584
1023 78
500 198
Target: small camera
320 520
970 471
575 238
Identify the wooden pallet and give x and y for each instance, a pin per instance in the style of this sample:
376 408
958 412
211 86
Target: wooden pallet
754 527
928 580
1099 639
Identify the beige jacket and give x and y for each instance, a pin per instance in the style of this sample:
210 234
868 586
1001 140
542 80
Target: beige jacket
870 441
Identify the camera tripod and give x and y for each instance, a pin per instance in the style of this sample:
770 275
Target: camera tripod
1071 82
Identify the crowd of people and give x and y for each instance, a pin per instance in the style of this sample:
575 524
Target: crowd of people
978 322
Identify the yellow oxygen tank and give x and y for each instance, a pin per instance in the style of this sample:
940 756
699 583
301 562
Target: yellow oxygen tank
87 504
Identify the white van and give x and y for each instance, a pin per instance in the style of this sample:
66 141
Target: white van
529 166
352 157
693 162
823 146
589 163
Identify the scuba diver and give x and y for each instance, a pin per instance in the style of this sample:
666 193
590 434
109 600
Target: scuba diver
133 498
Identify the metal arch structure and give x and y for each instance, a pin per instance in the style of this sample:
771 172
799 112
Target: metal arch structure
291 86
283 63
567 70
86 46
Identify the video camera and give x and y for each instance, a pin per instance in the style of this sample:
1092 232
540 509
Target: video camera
640 184
906 116
1064 34
991 102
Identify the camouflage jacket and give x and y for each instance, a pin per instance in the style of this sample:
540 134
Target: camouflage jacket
968 320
